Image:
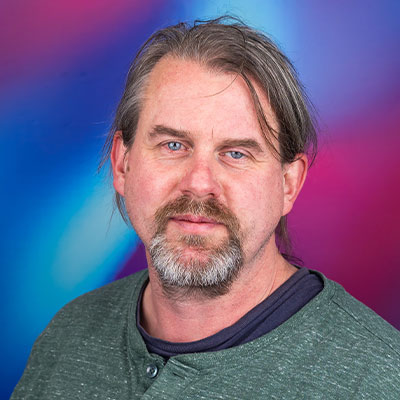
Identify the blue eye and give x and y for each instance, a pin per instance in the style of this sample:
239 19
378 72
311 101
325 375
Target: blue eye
236 154
174 146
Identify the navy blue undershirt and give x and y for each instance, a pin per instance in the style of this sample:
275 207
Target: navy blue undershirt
284 302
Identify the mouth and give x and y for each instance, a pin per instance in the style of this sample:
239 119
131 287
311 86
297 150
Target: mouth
195 224
196 219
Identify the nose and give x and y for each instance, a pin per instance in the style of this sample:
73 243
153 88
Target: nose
200 180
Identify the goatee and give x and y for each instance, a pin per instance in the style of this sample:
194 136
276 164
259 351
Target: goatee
213 267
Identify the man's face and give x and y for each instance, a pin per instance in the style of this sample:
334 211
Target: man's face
198 138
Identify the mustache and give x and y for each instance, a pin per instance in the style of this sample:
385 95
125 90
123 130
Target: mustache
210 208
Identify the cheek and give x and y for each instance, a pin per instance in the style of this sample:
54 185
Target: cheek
146 190
260 205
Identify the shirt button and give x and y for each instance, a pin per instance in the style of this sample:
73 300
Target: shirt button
151 371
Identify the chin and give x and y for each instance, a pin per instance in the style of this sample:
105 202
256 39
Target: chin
187 267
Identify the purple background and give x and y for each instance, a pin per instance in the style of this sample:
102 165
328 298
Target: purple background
62 70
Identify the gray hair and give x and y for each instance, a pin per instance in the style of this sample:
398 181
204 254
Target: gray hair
226 45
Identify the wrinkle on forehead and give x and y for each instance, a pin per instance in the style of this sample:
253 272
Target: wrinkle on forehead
171 71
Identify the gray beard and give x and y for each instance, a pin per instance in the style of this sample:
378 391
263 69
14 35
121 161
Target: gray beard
210 276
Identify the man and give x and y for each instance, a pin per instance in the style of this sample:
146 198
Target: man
209 152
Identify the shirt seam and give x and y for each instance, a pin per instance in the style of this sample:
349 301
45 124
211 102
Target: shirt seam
364 326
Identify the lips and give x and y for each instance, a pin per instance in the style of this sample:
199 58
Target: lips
197 219
195 224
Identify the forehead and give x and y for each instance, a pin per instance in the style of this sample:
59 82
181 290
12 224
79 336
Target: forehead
186 95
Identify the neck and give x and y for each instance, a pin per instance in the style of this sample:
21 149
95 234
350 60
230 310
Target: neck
190 318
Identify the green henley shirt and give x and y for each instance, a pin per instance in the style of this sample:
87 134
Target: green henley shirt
333 348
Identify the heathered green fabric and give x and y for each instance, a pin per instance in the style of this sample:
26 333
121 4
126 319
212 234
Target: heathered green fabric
333 348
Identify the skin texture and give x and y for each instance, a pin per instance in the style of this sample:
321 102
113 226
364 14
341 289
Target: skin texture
198 136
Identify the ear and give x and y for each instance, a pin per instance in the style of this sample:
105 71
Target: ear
293 178
118 163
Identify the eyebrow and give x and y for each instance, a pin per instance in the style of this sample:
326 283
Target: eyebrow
250 144
162 130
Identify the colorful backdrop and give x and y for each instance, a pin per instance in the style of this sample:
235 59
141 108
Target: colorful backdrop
62 69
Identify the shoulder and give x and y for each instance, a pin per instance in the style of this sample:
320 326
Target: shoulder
359 321
87 338
363 344
110 299
104 308
110 294
338 346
